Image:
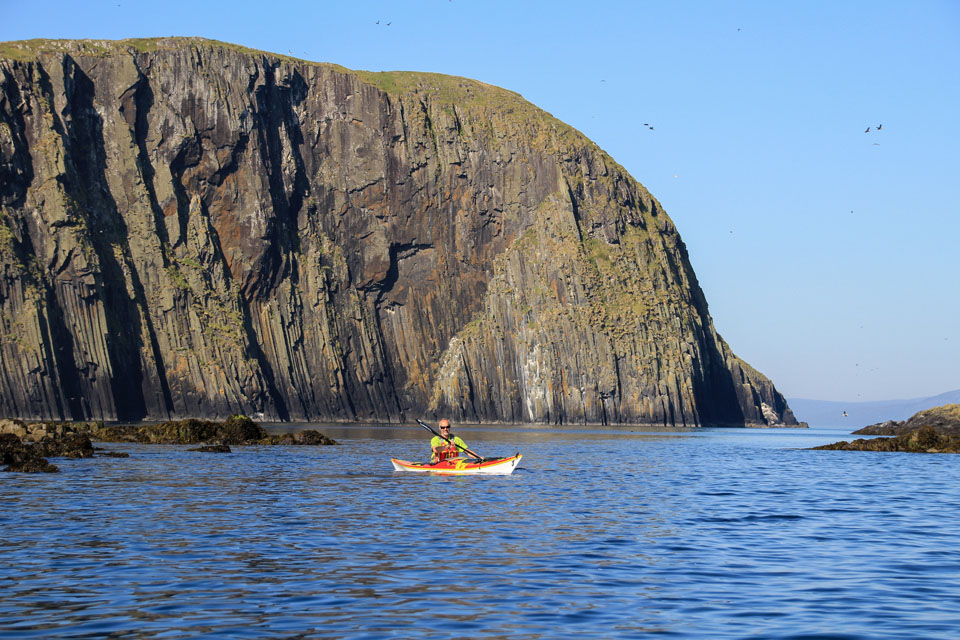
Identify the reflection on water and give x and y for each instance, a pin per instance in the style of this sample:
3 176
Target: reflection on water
717 533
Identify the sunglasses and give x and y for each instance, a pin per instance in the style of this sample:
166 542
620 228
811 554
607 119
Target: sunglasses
442 428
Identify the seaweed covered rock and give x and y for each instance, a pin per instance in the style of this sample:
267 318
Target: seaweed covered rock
305 437
235 430
69 445
311 437
18 456
923 439
213 448
945 420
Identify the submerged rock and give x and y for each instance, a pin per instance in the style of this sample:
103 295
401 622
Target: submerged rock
306 437
923 439
213 448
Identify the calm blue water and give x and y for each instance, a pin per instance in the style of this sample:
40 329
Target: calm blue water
713 534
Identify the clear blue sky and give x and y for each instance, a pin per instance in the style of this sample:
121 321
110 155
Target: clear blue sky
828 255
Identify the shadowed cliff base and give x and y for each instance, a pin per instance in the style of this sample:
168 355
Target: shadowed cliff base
191 228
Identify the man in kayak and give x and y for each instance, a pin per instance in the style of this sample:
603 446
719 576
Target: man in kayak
450 447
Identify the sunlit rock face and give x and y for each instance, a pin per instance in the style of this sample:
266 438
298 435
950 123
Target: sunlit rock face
189 228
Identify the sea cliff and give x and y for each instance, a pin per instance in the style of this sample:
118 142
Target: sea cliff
189 228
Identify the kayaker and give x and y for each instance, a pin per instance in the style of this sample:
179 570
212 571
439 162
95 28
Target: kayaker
449 448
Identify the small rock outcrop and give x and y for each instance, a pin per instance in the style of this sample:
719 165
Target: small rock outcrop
17 456
924 439
26 446
306 437
213 448
945 420
235 430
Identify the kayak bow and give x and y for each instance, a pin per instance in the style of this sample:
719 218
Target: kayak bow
461 466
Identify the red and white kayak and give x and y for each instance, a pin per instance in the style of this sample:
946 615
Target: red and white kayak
462 466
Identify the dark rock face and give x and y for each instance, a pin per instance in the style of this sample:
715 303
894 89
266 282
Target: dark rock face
190 229
919 440
944 420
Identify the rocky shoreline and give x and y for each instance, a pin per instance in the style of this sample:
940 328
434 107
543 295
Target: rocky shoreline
935 430
945 419
25 447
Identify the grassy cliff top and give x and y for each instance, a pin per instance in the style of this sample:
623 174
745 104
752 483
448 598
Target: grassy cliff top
451 88
30 49
444 89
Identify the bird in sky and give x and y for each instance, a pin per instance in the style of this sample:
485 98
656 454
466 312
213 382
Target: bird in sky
879 127
867 130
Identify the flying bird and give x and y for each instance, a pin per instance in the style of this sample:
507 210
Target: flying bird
867 130
879 126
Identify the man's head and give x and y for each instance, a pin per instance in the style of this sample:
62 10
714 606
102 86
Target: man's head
444 425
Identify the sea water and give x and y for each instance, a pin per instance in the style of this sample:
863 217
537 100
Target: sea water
600 532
